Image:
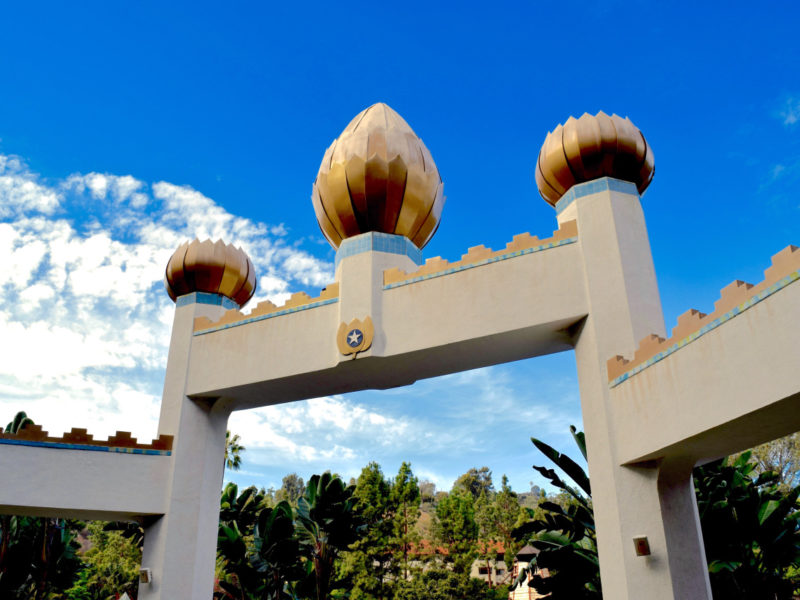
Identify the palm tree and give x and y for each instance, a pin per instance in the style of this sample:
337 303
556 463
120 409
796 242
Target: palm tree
233 451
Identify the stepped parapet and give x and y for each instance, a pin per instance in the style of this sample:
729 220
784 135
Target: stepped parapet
734 299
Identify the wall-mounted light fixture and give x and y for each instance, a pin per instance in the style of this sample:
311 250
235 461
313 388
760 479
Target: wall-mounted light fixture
642 545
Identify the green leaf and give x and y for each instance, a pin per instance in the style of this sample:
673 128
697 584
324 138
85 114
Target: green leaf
566 464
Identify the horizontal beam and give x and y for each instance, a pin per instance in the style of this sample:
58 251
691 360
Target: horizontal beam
494 313
735 387
81 484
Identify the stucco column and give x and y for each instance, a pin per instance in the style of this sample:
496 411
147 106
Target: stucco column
624 307
180 547
360 263
687 554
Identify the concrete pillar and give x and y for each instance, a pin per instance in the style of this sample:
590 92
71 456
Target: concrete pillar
624 307
180 547
360 263
686 551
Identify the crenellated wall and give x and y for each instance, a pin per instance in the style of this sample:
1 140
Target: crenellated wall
79 439
265 310
523 243
734 299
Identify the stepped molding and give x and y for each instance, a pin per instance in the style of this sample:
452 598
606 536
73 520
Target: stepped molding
266 309
523 243
735 298
80 437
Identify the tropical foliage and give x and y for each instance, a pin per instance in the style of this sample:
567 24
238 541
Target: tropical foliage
233 451
566 565
382 538
750 528
749 518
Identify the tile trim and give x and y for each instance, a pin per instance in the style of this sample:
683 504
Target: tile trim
480 263
603 184
376 241
775 287
206 298
271 315
86 447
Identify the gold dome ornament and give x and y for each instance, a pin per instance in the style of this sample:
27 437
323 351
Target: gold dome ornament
211 267
589 148
378 176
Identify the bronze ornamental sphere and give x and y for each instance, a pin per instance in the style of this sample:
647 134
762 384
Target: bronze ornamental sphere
378 176
589 148
213 267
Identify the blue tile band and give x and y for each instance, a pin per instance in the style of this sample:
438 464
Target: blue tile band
604 184
206 298
379 242
271 315
89 447
775 287
480 263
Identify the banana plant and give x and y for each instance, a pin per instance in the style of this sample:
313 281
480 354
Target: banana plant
326 525
566 565
276 552
750 529
20 422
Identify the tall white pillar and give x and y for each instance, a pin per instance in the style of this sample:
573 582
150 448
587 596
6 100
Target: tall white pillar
180 547
624 307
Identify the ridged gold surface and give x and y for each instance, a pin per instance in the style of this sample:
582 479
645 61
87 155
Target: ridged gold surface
213 267
378 176
589 148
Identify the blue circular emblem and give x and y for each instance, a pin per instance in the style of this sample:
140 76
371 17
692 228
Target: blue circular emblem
354 338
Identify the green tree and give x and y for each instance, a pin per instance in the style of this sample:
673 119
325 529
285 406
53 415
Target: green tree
781 456
476 481
405 499
292 488
509 515
444 584
455 529
497 516
111 566
326 525
368 561
233 451
427 491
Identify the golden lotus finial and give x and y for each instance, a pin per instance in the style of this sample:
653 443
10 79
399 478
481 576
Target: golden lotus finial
589 148
378 176
213 267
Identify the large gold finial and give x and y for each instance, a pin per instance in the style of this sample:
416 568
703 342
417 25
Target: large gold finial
589 148
378 176
212 267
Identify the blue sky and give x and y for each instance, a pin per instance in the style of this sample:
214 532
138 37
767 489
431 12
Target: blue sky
126 129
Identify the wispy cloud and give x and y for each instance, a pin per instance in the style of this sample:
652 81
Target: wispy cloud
85 325
84 318
790 112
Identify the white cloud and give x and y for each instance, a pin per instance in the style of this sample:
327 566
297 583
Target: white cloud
21 191
85 323
790 113
84 318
